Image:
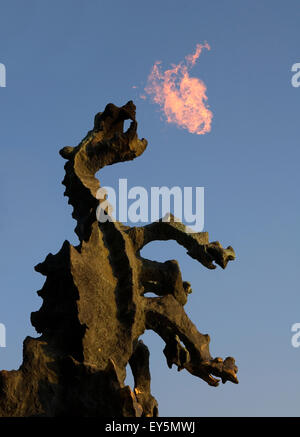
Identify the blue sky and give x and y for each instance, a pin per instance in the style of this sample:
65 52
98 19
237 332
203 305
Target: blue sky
65 61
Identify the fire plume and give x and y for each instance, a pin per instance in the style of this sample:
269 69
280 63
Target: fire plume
182 98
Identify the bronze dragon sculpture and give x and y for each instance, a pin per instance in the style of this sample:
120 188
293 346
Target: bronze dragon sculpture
95 305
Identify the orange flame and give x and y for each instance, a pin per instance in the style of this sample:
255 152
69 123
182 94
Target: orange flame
181 97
